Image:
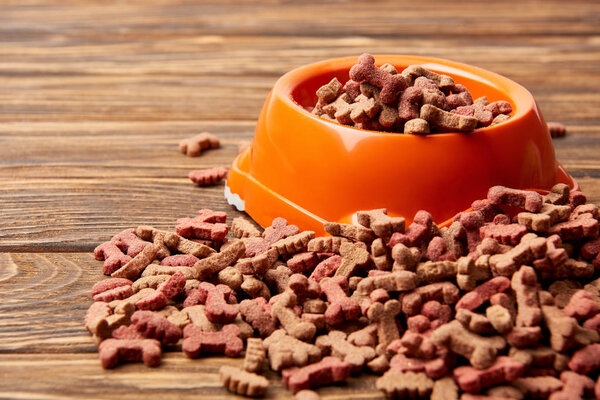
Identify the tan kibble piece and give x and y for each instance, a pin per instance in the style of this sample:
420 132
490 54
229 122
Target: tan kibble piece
539 387
380 223
410 73
500 318
436 271
399 281
326 244
469 273
243 228
119 305
293 244
156 236
354 256
134 268
444 389
380 255
335 343
416 126
255 287
282 309
506 392
186 246
389 68
524 284
565 332
329 92
197 316
500 118
559 194
405 258
154 269
548 216
258 264
454 237
531 247
405 385
174 316
242 382
481 351
151 281
190 285
366 336
352 232
278 277
314 306
384 315
286 351
447 121
213 264
389 113
231 277
379 364
95 321
195 145
255 355
473 321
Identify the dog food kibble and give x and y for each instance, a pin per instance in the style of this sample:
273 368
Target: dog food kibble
195 145
208 177
503 303
415 101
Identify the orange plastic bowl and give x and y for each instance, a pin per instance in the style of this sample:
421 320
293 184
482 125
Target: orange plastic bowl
309 170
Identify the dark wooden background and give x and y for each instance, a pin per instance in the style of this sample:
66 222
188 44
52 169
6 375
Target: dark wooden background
95 95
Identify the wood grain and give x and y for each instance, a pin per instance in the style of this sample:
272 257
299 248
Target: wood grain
95 95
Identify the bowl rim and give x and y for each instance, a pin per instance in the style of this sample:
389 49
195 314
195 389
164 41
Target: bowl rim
521 99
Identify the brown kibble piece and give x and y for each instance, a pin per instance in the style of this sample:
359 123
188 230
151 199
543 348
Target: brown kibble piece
226 341
444 389
575 387
278 277
255 355
352 232
384 315
112 289
195 145
443 82
183 245
335 344
390 84
447 121
242 382
416 126
208 176
286 351
255 287
307 395
480 351
565 332
326 244
380 223
353 258
113 257
153 326
556 129
213 264
538 387
258 264
242 228
154 269
282 309
293 244
389 113
134 268
231 277
257 312
524 284
402 385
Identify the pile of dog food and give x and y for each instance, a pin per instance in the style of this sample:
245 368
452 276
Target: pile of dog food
416 101
503 303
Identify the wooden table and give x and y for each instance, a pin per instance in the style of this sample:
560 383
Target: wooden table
95 95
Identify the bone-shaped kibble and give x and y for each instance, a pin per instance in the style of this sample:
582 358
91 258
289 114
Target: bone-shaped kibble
586 360
390 85
178 260
205 177
113 351
341 307
258 264
352 232
328 93
558 195
481 351
446 121
255 355
510 234
500 318
183 245
380 223
303 288
257 312
97 320
384 315
579 226
277 277
112 289
213 264
324 372
113 257
198 228
226 341
548 216
468 273
195 145
173 315
483 292
412 72
242 228
380 255
403 385
531 247
242 382
354 257
134 268
460 97
129 243
282 309
286 351
154 326
220 303
524 284
575 387
255 287
525 199
326 268
326 244
278 230
436 271
538 387
408 106
504 369
293 244
302 262
582 305
443 292
565 332
335 343
400 281
475 322
405 258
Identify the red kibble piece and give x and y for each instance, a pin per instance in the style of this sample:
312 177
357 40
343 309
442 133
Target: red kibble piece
352 89
417 233
586 360
341 307
173 286
155 301
582 305
127 332
504 234
113 257
105 290
488 209
499 107
460 97
582 226
186 260
113 351
154 326
408 106
525 199
226 341
301 262
390 85
278 230
556 129
324 372
195 228
504 369
576 387
303 287
216 300
129 242
208 176
438 251
326 268
257 312
483 292
208 215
